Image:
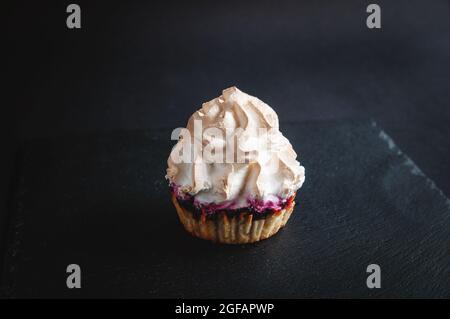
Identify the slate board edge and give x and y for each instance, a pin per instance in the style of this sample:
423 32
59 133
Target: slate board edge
415 169
13 223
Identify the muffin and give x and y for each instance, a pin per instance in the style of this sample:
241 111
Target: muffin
233 176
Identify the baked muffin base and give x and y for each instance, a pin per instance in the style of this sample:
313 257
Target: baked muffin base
240 229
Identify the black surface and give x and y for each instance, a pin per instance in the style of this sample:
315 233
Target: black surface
146 64
141 64
103 203
138 64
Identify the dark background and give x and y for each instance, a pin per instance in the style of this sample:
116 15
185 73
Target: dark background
139 64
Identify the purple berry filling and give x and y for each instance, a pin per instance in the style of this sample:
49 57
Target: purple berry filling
257 207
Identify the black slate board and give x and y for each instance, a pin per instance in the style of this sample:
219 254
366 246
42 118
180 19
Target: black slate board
102 202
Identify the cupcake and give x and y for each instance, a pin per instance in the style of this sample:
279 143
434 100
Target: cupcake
233 176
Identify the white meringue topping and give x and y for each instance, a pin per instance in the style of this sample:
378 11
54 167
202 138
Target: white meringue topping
270 172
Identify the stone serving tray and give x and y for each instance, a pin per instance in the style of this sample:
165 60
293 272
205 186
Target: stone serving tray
102 202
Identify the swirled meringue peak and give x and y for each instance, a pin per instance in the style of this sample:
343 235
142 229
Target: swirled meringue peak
232 155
